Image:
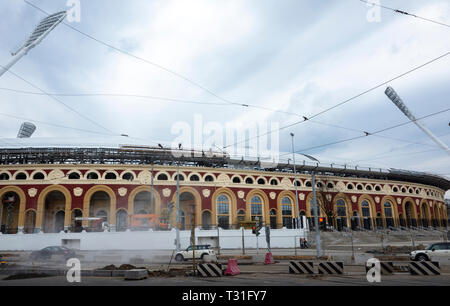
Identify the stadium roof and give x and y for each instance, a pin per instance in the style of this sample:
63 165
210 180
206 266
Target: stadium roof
127 150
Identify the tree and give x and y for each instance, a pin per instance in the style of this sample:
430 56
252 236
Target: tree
324 194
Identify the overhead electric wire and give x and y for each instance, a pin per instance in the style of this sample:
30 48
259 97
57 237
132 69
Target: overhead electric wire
343 102
405 13
61 102
368 134
192 82
53 124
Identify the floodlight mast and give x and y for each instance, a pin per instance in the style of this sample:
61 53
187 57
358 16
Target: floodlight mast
40 32
394 97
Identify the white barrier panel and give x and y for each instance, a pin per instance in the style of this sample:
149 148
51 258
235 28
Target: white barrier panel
149 240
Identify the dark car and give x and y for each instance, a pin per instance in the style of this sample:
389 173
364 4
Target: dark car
48 252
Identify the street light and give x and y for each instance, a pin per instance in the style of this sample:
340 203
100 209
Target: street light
315 205
40 32
394 97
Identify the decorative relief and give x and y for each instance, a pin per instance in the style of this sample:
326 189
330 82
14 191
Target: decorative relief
32 192
399 201
223 178
166 192
206 192
145 177
417 202
285 182
122 191
328 197
272 195
340 186
387 189
241 194
55 175
301 196
354 198
377 199
78 191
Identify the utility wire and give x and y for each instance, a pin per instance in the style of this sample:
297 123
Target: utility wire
405 13
53 124
343 102
196 84
61 102
368 134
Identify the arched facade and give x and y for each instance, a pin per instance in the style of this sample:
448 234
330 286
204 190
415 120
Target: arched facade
386 204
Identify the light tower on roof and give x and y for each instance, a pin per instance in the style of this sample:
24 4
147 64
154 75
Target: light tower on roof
40 32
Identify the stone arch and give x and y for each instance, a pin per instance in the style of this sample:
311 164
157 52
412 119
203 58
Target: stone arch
291 196
103 177
198 203
413 208
122 219
30 220
319 201
424 204
348 208
232 208
38 171
92 171
112 208
41 205
265 200
139 189
395 213
373 212
22 203
206 219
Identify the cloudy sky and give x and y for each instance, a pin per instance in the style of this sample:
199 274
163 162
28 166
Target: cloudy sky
300 57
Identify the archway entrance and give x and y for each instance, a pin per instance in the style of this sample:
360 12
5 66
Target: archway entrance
206 220
54 206
59 221
143 203
10 213
30 222
410 220
187 208
99 208
121 219
77 226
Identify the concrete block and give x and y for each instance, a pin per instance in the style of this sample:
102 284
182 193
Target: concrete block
118 273
136 274
103 273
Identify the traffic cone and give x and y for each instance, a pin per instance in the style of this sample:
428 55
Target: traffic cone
269 259
232 267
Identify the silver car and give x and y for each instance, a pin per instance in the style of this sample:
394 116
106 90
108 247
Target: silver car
433 252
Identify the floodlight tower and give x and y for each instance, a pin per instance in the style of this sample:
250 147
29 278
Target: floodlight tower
40 32
393 96
26 130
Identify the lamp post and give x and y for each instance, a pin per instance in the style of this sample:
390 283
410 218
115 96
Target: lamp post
40 32
295 183
178 209
314 202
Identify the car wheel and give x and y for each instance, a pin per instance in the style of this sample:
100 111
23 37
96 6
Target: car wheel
421 257
179 257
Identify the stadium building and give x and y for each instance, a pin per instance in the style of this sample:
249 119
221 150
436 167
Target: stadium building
48 186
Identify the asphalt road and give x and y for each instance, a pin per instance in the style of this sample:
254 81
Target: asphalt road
255 279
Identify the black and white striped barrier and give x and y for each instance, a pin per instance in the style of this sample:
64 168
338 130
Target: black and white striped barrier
386 268
209 270
424 268
301 267
331 267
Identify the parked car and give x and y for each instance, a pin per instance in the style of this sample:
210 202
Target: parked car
48 252
433 252
200 252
